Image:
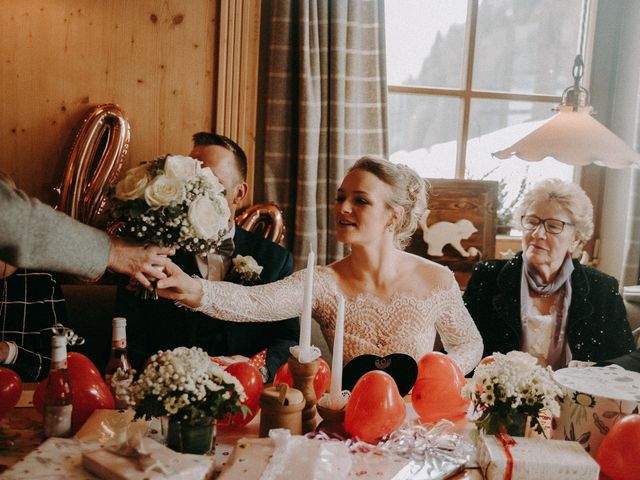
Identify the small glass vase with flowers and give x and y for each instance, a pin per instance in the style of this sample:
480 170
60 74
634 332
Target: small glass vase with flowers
187 387
506 390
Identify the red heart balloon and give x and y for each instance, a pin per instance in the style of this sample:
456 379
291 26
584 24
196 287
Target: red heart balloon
10 390
321 381
375 407
87 386
620 449
437 393
251 379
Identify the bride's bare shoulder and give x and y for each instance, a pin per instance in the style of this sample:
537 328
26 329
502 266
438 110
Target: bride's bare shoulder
426 269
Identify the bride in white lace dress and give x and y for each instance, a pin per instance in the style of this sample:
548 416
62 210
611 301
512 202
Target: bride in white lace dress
395 301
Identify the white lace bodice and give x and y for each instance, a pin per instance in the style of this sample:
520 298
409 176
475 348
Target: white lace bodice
403 323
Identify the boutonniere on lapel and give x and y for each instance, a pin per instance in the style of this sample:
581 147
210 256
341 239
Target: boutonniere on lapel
246 270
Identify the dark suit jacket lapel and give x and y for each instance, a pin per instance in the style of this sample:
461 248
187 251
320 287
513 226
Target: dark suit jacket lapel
507 302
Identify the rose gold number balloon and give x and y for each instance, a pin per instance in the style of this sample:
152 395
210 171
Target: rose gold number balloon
95 159
264 217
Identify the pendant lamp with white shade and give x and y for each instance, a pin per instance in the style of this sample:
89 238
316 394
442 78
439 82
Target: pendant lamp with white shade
573 135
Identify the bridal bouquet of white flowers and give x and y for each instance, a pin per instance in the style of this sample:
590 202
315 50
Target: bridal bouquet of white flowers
506 389
183 384
172 201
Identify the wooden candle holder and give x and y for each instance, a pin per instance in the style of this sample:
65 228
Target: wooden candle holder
303 375
332 422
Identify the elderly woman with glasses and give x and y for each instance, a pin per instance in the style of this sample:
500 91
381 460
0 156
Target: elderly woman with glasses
542 301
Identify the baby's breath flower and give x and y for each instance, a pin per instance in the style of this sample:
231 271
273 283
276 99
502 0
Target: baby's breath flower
182 382
512 383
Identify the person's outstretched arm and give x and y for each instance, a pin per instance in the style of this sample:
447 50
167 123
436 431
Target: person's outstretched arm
232 302
34 235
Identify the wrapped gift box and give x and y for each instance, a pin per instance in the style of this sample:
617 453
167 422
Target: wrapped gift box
170 465
536 458
596 398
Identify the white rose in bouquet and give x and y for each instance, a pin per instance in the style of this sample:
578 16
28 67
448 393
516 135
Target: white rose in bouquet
183 168
213 181
208 216
132 186
163 190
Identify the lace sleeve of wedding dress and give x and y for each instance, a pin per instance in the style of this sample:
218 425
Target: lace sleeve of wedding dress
260 303
460 337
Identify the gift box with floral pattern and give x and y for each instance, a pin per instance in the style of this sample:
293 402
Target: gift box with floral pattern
596 398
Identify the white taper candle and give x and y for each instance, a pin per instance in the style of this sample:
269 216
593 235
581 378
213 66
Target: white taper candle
335 394
305 319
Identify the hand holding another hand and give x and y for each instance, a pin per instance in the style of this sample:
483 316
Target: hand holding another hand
179 286
139 262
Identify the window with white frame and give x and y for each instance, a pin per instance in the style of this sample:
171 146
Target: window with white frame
470 77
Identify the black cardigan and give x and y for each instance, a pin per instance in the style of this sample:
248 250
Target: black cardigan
597 326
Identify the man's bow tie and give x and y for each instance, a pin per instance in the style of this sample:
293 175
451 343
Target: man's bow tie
226 247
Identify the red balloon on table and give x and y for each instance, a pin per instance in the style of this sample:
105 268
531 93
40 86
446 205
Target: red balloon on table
251 380
437 391
620 450
321 381
88 388
375 407
10 390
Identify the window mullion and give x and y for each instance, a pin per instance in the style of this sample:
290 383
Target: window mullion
463 132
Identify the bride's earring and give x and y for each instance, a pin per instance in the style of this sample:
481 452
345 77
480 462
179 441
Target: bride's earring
390 227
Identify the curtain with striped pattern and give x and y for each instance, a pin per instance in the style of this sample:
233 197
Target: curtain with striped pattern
325 108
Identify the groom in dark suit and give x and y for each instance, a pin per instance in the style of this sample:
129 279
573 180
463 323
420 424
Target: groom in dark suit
154 325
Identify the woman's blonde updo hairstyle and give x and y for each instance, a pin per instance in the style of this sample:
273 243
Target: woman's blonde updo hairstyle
567 195
408 194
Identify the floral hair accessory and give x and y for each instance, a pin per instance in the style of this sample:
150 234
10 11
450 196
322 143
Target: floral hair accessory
245 270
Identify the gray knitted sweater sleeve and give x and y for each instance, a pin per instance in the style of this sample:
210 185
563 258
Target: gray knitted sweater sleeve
35 236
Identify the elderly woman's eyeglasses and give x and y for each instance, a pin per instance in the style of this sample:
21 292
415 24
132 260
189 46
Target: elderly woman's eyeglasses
551 225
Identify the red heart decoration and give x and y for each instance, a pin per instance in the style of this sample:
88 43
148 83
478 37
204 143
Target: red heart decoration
87 386
321 381
437 393
375 407
251 380
10 390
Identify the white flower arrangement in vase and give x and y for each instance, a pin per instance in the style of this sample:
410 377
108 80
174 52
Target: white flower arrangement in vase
506 389
183 384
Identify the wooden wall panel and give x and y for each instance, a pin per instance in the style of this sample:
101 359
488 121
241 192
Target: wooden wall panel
237 83
60 57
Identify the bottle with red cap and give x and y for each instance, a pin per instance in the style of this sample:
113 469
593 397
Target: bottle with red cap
58 398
